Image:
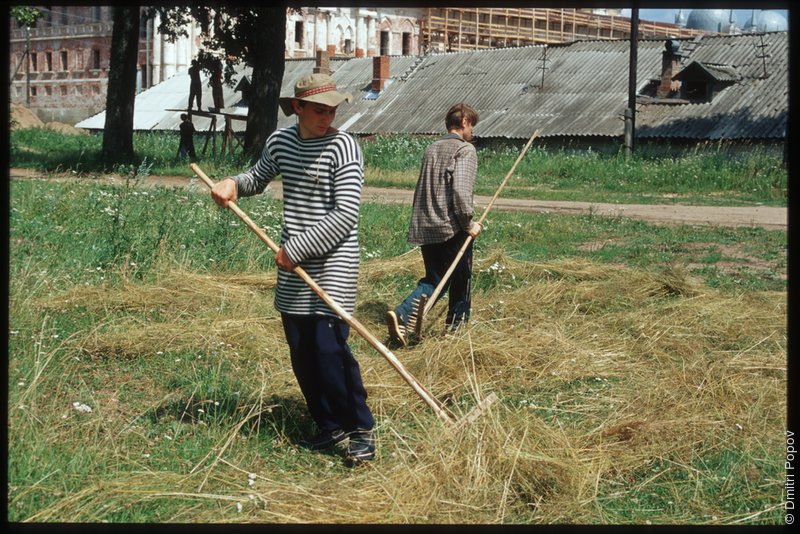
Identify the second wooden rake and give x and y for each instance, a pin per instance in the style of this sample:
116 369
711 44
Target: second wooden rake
430 300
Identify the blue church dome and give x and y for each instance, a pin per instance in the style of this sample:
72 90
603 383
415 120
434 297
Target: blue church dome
711 20
766 21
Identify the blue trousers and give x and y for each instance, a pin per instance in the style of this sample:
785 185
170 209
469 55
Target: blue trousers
438 258
327 373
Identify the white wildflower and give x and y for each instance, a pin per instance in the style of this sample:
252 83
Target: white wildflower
83 408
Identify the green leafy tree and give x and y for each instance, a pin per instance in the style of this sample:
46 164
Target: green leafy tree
25 15
121 95
253 35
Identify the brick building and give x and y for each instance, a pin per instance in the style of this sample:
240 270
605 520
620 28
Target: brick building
64 75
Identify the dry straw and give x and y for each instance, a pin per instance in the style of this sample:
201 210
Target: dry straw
602 371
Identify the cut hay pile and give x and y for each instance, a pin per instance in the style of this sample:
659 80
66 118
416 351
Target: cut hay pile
603 373
23 118
66 129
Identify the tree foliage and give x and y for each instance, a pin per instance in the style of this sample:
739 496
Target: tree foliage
252 35
25 15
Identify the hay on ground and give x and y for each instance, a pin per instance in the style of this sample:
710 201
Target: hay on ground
602 372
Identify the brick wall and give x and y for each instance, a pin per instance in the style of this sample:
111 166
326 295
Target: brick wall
69 78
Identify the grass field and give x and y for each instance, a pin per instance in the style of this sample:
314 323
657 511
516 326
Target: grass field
641 371
713 174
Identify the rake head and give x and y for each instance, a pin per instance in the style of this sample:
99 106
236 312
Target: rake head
481 408
414 329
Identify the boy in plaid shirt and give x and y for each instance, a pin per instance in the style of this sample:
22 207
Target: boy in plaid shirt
441 220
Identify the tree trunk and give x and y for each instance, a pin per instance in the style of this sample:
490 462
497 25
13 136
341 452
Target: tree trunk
268 66
118 129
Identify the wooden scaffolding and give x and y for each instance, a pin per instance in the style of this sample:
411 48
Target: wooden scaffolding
462 29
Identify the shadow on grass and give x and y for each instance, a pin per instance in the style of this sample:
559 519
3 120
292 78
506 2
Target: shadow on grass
287 417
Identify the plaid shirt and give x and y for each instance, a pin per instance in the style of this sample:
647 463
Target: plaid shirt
443 197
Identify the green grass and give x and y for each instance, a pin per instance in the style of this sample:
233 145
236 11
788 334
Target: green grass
58 226
708 175
732 480
168 417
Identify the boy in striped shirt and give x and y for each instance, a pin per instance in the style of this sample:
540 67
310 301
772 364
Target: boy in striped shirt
322 171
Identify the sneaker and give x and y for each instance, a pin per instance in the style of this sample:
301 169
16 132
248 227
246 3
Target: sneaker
361 447
324 439
396 330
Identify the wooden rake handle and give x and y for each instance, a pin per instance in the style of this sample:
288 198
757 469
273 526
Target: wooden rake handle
432 298
435 405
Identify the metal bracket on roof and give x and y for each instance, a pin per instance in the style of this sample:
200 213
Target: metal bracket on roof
762 55
412 68
544 66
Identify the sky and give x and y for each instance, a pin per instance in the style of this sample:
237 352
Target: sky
668 15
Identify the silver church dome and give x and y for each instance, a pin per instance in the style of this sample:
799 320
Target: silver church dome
766 21
711 20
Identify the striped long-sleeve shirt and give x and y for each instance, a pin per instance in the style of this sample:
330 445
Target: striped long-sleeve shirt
443 197
322 180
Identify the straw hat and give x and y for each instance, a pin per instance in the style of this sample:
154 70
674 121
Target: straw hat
319 88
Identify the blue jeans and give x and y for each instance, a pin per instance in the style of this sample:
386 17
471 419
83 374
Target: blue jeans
438 258
327 372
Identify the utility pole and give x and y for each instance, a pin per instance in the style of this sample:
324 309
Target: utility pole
630 112
27 67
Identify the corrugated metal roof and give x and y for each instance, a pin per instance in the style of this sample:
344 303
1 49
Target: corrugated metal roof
576 89
720 73
151 107
754 107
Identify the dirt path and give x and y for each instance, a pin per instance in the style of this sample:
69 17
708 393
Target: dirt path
757 216
760 216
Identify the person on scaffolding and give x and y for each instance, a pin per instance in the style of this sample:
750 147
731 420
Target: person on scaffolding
216 84
195 86
441 220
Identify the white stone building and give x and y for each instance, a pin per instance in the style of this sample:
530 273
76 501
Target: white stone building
352 31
